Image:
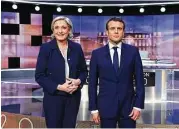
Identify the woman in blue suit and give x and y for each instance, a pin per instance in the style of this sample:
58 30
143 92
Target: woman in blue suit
61 71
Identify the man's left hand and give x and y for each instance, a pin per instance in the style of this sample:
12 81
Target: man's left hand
135 114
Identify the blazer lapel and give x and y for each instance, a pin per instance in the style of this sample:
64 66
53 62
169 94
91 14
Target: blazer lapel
70 55
54 46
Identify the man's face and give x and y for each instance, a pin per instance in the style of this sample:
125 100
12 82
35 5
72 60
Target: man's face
115 31
61 30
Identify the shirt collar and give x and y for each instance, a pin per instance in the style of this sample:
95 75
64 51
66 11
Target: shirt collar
112 45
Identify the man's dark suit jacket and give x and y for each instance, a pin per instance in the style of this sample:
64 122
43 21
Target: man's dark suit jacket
117 95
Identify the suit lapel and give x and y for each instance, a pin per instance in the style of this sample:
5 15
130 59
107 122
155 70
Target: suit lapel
108 59
123 57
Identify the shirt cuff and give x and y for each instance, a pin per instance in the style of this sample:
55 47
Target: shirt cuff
94 111
139 109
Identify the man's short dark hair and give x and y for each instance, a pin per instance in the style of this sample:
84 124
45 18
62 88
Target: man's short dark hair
115 19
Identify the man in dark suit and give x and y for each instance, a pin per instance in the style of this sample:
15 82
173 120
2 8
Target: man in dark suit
114 67
61 71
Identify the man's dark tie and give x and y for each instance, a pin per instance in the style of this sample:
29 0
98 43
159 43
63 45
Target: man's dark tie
116 59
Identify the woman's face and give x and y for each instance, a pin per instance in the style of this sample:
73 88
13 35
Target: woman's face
61 30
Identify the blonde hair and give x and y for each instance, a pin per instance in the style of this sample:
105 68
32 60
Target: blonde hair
67 20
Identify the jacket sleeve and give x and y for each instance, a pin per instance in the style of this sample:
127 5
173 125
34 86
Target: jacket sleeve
93 83
139 79
41 77
83 68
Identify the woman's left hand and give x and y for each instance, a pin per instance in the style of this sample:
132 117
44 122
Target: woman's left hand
75 84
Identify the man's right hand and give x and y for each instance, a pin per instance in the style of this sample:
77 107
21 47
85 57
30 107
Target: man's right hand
66 86
96 117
